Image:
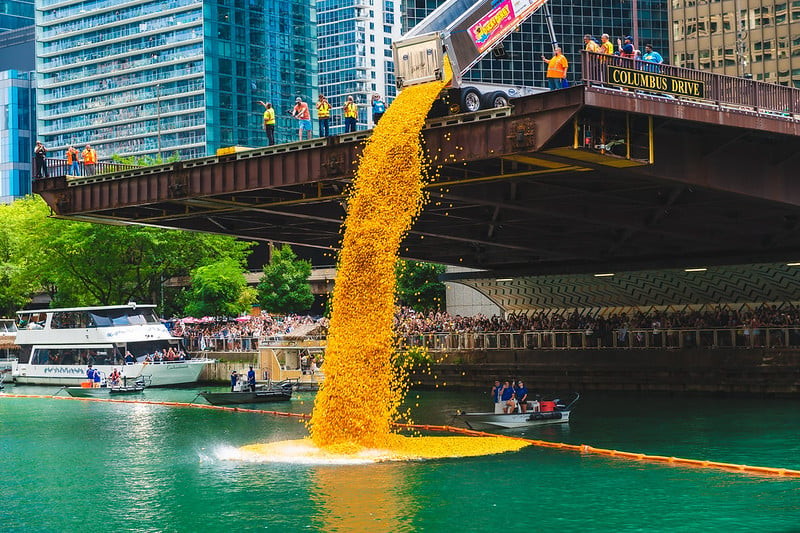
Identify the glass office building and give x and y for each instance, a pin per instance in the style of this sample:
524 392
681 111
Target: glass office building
355 54
15 14
144 77
16 133
752 39
521 64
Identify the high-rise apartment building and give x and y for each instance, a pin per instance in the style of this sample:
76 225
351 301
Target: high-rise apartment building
16 134
521 64
143 77
737 38
355 54
15 14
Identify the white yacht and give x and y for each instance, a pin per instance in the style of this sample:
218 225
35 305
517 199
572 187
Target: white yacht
58 345
8 348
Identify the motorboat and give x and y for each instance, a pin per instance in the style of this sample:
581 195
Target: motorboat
276 392
56 346
88 390
539 413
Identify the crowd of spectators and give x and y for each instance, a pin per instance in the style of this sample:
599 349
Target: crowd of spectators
243 334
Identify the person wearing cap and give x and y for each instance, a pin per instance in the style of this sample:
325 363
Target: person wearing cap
378 108
251 379
89 156
591 44
301 113
556 69
626 49
234 379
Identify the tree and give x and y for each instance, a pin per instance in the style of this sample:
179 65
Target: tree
79 263
418 285
284 287
219 289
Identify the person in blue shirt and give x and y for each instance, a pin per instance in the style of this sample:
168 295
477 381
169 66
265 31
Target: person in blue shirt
129 359
97 378
251 379
507 397
521 394
650 56
234 379
496 392
90 373
378 108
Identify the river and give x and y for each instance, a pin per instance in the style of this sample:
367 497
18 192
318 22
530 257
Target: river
87 466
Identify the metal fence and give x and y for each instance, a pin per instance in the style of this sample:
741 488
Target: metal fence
743 338
221 344
57 168
718 88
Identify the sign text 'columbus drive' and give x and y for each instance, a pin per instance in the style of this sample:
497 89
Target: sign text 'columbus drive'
653 81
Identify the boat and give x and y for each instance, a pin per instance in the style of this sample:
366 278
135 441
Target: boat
540 412
8 348
277 392
57 345
88 390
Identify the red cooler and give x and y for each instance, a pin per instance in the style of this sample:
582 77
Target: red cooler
547 407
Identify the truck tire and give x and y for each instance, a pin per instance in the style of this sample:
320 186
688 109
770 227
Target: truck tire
470 100
495 99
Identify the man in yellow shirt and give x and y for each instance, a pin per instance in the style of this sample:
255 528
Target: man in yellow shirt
591 44
556 69
350 115
606 46
269 122
324 116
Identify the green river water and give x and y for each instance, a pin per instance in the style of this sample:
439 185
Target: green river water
86 466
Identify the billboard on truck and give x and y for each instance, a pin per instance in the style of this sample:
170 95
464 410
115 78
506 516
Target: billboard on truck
465 33
504 17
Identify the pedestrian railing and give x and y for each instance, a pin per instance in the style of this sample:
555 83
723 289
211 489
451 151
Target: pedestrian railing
60 167
672 338
718 89
221 344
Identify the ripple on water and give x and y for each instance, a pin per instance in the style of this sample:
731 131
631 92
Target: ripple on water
304 451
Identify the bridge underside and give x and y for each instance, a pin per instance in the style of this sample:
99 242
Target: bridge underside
563 183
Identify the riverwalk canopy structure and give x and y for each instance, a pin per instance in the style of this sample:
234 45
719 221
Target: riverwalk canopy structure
634 170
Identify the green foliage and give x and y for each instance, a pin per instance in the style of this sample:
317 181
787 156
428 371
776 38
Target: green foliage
145 160
284 287
79 264
219 289
418 285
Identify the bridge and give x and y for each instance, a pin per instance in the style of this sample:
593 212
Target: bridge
603 177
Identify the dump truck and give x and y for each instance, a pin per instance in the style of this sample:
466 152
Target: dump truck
465 31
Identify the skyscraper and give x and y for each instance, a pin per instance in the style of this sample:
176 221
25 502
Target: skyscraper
15 14
753 39
16 134
355 54
149 77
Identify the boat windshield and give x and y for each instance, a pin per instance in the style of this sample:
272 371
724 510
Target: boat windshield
7 326
95 318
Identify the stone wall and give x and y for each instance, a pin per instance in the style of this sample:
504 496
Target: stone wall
754 371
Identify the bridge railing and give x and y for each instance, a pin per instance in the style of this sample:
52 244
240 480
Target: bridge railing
671 338
59 167
718 88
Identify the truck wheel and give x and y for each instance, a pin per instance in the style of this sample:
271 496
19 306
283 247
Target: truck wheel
470 100
495 99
